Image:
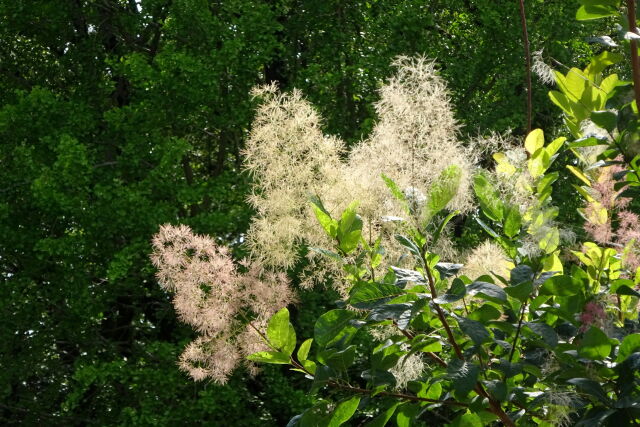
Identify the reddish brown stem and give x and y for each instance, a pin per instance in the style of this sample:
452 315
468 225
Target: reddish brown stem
635 64
527 59
443 320
493 404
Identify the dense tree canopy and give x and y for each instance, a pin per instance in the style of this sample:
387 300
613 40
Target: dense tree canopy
117 116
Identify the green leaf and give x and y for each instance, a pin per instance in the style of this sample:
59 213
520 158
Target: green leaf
507 368
433 392
545 183
406 414
397 192
370 294
488 291
329 224
333 326
281 333
409 244
550 241
442 225
590 387
448 269
626 290
595 345
428 345
386 355
520 292
443 190
539 163
402 313
578 173
561 286
549 336
338 360
467 419
383 417
321 415
349 229
605 59
595 9
521 273
555 145
475 330
485 313
327 253
534 141
561 101
587 142
486 228
489 198
463 375
303 351
512 221
605 119
455 293
274 357
403 276
498 389
630 344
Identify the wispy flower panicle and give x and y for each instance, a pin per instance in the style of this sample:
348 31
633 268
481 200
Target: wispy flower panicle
608 219
212 296
488 257
413 142
541 69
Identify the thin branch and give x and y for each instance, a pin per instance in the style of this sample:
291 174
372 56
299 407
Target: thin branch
431 354
395 395
515 339
635 63
527 57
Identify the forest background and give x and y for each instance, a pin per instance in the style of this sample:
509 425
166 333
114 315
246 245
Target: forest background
117 116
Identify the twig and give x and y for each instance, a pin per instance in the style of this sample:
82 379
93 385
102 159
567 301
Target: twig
493 404
635 64
395 395
515 339
527 57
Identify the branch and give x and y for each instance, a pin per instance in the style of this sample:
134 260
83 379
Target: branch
527 57
635 64
395 395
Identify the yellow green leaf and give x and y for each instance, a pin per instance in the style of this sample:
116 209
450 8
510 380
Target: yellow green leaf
534 141
577 172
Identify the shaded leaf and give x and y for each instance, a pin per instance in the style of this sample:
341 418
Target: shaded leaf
590 387
487 290
370 294
594 345
475 330
549 336
333 325
463 375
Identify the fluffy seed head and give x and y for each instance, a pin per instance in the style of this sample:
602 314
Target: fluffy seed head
212 296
